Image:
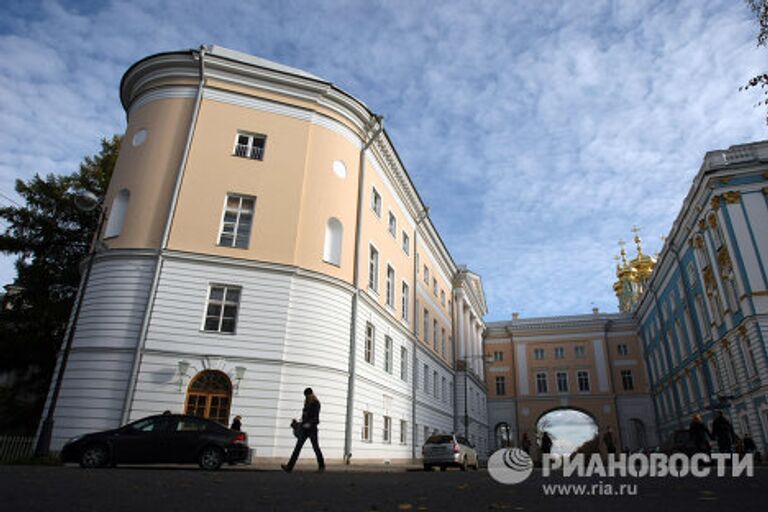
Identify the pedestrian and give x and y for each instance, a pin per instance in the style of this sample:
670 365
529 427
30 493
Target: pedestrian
749 444
236 423
699 434
722 431
610 445
310 418
546 443
525 443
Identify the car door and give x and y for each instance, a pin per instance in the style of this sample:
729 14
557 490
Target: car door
185 439
141 441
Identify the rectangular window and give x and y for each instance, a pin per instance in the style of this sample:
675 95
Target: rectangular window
622 349
373 269
386 434
435 390
426 379
426 326
248 145
583 378
541 382
498 356
237 222
367 427
390 286
434 334
376 202
403 363
404 301
444 389
426 275
221 310
627 380
370 342
387 354
538 353
501 386
562 382
392 225
442 341
559 352
403 432
434 287
406 243
442 297
579 351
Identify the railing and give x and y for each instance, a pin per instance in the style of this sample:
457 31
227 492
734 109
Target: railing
246 151
15 448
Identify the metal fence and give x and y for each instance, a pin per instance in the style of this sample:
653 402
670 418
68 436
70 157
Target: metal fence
15 448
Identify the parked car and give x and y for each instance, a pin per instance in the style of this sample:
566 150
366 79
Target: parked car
167 438
444 450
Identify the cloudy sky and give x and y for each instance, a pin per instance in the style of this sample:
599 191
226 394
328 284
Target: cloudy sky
538 132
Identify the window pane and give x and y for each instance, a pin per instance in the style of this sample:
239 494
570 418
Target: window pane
241 242
230 312
226 240
212 323
233 294
214 310
233 203
228 325
217 293
247 204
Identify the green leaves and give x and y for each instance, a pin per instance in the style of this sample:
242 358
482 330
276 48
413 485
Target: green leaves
49 237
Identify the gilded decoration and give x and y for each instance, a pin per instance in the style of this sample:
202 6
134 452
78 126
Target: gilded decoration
702 224
724 261
725 180
713 220
742 330
715 203
732 197
698 241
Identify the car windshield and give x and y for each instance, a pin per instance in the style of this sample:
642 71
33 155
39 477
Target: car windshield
442 439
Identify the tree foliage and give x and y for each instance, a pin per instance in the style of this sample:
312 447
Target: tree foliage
49 237
760 10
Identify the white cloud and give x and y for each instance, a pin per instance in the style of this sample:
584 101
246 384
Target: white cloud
538 133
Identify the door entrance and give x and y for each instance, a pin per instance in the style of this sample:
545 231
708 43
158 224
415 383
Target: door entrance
209 396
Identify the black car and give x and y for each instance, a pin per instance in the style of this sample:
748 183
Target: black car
167 438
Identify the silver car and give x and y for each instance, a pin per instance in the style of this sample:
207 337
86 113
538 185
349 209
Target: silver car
445 450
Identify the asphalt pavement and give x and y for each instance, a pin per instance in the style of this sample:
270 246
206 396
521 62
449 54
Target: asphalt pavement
236 489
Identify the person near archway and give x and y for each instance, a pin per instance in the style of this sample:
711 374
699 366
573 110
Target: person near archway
546 443
610 444
722 431
699 434
310 418
237 423
525 443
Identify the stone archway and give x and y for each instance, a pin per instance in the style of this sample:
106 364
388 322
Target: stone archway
209 395
570 428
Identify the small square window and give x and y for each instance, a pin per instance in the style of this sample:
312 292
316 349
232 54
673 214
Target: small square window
249 145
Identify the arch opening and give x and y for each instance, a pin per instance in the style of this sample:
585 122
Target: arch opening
570 429
209 395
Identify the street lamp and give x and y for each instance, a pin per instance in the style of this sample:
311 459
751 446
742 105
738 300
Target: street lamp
87 202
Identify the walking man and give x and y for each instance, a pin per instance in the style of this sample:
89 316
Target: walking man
722 430
699 434
310 417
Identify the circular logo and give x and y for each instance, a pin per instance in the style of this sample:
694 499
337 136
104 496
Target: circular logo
510 465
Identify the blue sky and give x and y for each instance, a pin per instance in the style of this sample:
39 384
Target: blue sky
538 132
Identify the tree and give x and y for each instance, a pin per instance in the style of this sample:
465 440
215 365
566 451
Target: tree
760 10
49 237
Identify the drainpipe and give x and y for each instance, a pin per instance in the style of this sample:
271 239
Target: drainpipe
164 243
378 123
423 214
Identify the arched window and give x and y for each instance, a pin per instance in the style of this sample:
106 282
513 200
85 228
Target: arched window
117 214
209 396
334 233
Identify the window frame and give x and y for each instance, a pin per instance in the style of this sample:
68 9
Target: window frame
223 303
370 343
392 224
390 291
376 202
373 275
252 136
367 430
240 197
388 348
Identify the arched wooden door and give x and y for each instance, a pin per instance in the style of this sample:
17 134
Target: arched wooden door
209 396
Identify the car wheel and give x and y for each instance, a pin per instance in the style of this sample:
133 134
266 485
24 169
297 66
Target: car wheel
211 458
427 467
463 465
94 457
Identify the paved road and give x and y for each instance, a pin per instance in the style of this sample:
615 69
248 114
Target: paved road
37 488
